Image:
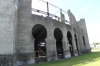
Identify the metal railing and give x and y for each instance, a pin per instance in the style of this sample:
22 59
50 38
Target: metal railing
43 12
47 11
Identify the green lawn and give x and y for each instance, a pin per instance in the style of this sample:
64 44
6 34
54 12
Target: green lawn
95 49
90 59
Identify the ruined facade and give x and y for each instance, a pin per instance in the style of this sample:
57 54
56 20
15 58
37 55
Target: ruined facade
26 38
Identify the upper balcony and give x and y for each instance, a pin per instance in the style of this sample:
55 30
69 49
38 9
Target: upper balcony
47 9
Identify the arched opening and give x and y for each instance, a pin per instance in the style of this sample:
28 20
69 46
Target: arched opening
76 43
69 37
39 32
58 36
83 40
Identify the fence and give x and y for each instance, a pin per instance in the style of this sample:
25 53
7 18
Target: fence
41 7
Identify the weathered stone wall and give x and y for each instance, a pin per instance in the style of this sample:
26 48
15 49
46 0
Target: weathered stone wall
26 40
80 40
8 22
74 30
25 44
6 60
83 29
16 23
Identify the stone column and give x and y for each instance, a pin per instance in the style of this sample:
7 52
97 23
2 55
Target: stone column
65 42
51 42
80 41
72 23
73 43
85 34
8 23
62 17
25 40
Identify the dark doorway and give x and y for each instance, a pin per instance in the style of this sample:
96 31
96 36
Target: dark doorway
76 43
83 40
69 37
39 33
58 36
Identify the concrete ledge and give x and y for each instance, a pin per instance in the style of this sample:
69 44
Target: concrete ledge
52 56
6 60
67 54
75 53
88 50
24 59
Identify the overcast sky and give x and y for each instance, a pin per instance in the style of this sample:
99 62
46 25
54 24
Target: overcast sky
88 9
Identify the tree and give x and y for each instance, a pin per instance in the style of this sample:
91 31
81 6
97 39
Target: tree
95 43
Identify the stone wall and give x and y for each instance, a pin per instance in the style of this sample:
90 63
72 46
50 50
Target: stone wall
83 33
8 22
17 42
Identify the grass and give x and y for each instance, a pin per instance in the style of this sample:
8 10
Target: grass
95 49
90 59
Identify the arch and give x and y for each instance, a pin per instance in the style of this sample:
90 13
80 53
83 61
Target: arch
59 45
69 37
39 32
83 40
76 43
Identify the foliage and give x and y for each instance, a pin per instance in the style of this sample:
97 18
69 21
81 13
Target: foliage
95 43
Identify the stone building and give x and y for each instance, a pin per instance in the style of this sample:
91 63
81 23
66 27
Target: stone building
26 38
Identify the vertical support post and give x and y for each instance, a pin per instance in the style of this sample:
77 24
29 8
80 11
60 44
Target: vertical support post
47 9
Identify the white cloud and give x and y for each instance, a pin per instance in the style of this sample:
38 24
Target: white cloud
86 7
